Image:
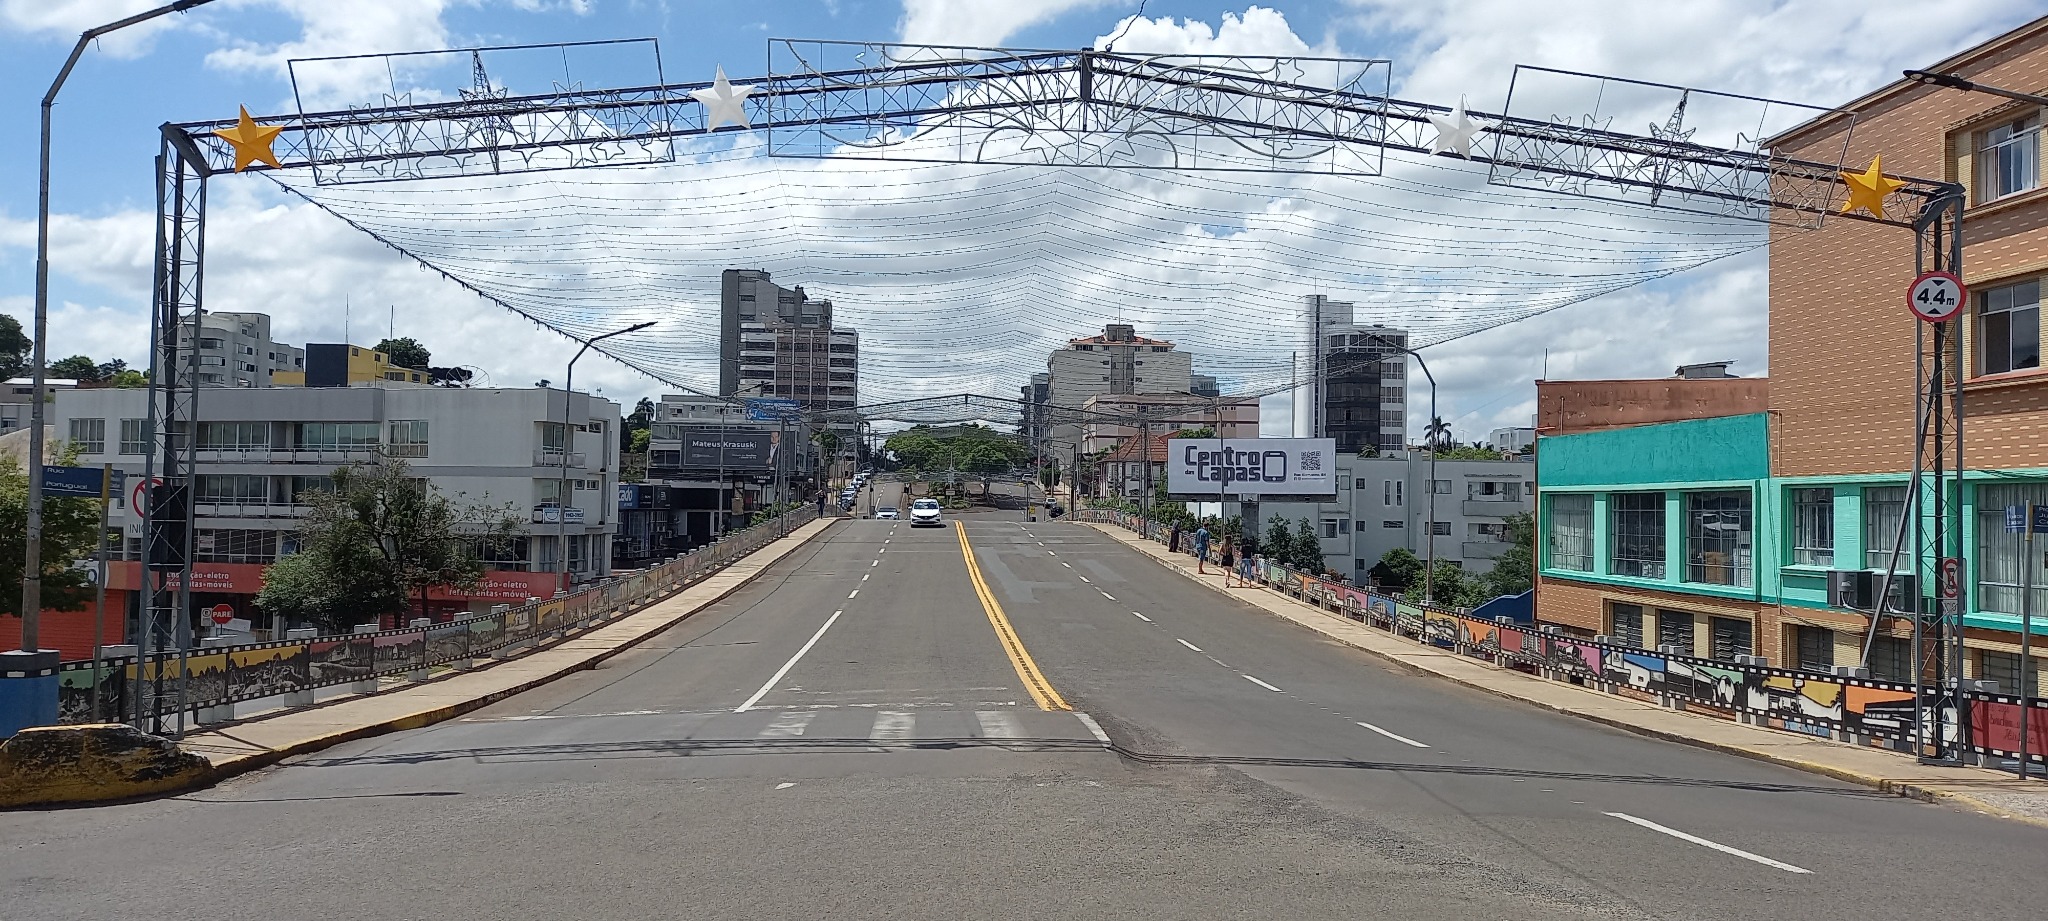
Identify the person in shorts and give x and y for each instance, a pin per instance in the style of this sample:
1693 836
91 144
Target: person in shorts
1226 554
1201 549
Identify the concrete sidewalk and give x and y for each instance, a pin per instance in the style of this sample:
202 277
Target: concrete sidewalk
255 743
1993 792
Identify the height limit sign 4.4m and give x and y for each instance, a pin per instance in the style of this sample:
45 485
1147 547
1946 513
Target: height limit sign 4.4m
1936 296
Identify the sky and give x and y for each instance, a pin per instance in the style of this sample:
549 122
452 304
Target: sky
959 278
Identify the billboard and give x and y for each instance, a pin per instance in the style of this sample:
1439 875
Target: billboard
730 449
1252 468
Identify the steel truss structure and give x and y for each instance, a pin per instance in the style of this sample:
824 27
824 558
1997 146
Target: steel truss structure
892 102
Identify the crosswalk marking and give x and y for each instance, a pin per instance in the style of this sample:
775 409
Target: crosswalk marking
996 724
892 726
789 725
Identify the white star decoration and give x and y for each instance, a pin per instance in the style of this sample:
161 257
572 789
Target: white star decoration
724 103
1455 134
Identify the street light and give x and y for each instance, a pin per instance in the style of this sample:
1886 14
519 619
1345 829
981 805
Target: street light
569 441
32 553
1951 81
1429 527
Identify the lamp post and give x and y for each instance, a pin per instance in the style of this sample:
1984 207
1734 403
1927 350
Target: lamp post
1429 527
1951 81
32 552
562 493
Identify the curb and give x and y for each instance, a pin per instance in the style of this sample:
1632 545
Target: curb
243 764
1906 789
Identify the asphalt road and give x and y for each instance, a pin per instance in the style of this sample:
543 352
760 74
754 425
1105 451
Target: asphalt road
848 736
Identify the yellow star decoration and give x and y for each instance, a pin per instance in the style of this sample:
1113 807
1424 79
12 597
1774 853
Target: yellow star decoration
1867 189
251 142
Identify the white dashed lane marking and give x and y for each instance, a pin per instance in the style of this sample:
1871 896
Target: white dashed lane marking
1712 845
1187 644
1395 737
1261 683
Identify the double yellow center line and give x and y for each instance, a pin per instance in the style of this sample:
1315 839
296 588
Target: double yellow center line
1027 670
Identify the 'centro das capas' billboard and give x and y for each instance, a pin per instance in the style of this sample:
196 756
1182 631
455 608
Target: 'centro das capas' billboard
1251 468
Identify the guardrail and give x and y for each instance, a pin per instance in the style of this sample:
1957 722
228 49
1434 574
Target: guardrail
1858 710
217 676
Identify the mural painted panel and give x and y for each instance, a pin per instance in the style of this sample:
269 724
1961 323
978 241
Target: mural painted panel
267 671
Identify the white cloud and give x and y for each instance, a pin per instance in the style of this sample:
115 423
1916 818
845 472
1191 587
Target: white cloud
1258 31
70 18
980 23
327 29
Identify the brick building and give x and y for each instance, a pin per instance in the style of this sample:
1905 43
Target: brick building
1735 515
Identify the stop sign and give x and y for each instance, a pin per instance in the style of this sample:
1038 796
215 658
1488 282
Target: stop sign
222 614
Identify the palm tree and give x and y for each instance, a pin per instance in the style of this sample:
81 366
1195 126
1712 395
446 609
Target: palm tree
1437 435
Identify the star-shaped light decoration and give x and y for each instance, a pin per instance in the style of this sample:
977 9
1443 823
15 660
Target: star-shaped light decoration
724 103
1454 134
251 141
1867 189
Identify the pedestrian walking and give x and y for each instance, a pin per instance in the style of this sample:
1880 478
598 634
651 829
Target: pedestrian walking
1173 537
1227 556
1201 549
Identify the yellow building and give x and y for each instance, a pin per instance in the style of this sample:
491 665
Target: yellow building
342 365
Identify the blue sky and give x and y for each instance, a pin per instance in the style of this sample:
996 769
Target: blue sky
271 256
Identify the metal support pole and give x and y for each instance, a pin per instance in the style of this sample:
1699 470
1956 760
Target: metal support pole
99 601
2026 634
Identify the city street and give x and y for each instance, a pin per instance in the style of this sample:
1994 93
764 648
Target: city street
848 737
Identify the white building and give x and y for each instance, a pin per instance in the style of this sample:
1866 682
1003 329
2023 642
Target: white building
235 350
1383 503
262 450
1114 420
18 399
1511 440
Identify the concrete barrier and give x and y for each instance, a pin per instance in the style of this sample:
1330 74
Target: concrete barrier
28 689
94 762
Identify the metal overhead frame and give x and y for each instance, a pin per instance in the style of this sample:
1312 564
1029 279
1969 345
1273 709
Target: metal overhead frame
904 103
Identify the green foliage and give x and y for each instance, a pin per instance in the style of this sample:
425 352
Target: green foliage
375 543
1049 474
640 439
70 534
1465 452
967 449
15 347
406 352
1399 569
1279 542
78 368
1437 434
1202 432
1511 573
1307 548
128 378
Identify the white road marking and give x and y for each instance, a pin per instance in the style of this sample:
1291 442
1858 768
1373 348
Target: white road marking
786 666
892 726
1395 736
1093 727
1141 617
790 725
1085 579
1050 553
853 593
876 563
1260 683
996 724
867 576
1107 595
1066 564
784 786
1187 644
1714 845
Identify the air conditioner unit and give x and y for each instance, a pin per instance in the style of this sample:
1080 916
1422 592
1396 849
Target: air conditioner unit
1851 588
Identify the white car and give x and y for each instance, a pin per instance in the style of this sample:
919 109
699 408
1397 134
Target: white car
888 514
925 512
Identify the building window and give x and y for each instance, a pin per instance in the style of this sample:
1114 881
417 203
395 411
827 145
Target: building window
552 436
1440 487
1998 553
234 436
1440 528
1730 638
2004 668
233 488
2009 327
409 438
210 343
2008 159
1636 525
1891 659
1717 538
1625 624
1884 509
1813 527
1674 628
234 545
335 436
1571 533
1329 528
1815 647
135 436
89 435
1392 524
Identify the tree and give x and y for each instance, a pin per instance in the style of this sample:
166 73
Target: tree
129 378
1049 474
70 534
1202 432
641 419
1398 570
1278 544
15 348
376 543
76 368
1305 548
406 352
1512 572
1437 434
1464 452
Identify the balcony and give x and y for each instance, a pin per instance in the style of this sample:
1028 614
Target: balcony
549 514
1492 508
330 457
1485 549
554 458
211 508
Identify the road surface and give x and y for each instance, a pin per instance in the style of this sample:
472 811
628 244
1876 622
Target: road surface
851 736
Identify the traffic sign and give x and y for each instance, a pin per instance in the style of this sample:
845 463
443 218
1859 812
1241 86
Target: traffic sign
222 614
1951 577
1937 296
83 482
140 494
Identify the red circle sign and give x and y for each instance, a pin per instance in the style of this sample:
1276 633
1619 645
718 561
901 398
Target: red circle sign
1937 297
222 614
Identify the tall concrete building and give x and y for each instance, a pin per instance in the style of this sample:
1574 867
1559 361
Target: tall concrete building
235 350
1358 380
779 342
1119 361
1384 502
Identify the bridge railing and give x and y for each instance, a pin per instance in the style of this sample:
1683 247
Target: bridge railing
1842 707
218 676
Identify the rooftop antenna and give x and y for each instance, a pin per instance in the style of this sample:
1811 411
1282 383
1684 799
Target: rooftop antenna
344 318
393 334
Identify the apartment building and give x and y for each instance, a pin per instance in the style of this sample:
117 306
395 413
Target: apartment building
780 342
236 350
1111 421
1116 362
1385 502
1358 380
261 451
1719 533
